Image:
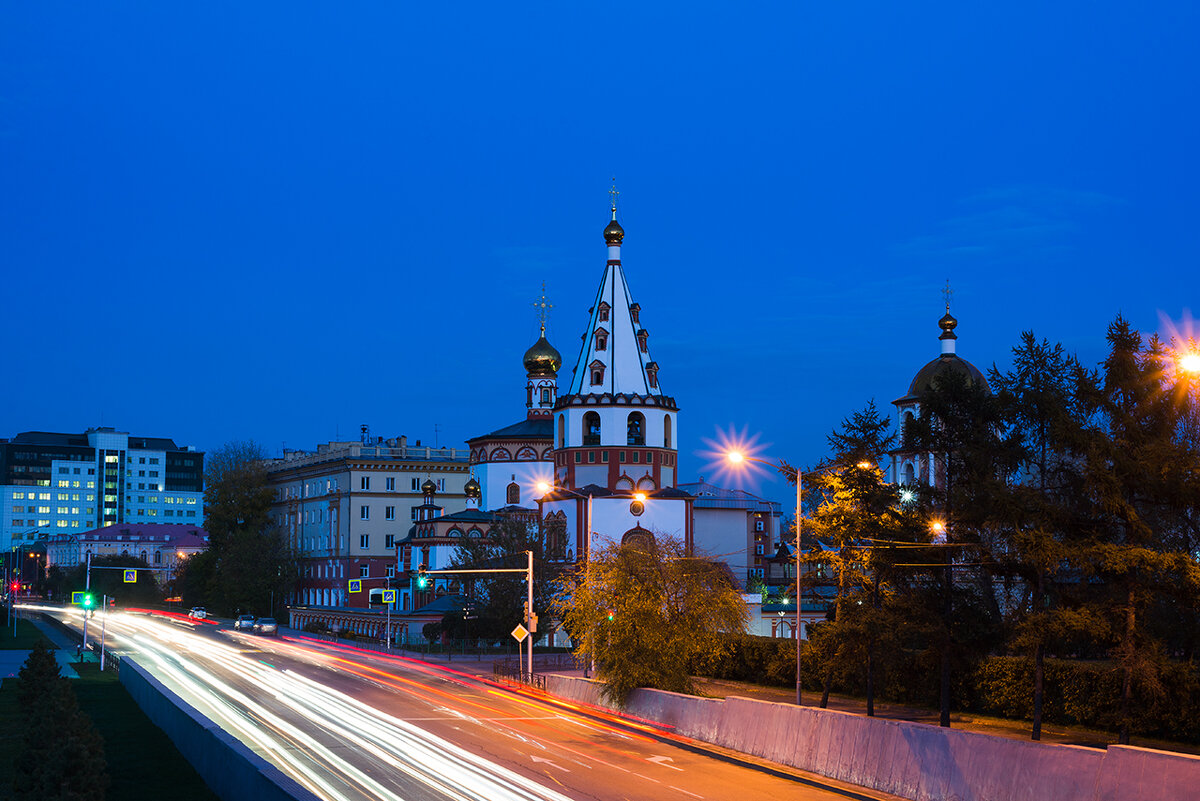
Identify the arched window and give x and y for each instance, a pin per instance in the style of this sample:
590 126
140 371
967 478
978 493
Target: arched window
638 537
624 484
591 429
562 431
501 455
475 533
601 339
646 484
526 454
909 474
514 494
545 396
636 429
905 426
597 370
666 430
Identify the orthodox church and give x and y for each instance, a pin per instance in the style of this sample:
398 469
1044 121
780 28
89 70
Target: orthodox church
615 430
909 466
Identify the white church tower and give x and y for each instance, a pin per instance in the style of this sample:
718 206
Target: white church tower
615 432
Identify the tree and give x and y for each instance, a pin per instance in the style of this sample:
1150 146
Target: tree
499 600
961 425
252 562
62 756
1142 474
649 613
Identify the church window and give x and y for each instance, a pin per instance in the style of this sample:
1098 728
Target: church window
562 431
637 456
652 374
591 429
621 457
501 455
905 427
634 311
602 312
624 484
642 336
601 339
666 430
604 456
526 454
636 429
909 475
597 370
646 484
578 457
545 396
514 494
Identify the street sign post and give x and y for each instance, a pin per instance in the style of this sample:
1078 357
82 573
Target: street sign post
520 633
355 585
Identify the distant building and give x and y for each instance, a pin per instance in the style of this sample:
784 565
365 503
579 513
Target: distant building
735 527
56 483
346 506
162 545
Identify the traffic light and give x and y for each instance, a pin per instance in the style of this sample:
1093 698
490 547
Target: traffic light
15 587
611 614
88 601
422 579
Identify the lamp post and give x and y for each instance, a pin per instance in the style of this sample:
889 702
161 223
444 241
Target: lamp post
737 458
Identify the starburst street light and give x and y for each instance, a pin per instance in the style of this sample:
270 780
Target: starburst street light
739 458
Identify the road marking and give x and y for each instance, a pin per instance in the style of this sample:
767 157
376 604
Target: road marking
548 762
685 792
663 760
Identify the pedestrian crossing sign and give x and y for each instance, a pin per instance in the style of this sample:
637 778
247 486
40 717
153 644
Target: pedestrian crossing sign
355 585
131 577
389 596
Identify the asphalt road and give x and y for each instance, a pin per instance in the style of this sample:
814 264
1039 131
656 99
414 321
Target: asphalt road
353 725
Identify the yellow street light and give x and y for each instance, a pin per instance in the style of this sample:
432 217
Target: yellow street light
1190 362
735 457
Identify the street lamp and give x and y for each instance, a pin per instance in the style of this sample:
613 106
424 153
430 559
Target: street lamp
738 458
545 487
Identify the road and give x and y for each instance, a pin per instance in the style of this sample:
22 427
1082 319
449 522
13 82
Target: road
350 725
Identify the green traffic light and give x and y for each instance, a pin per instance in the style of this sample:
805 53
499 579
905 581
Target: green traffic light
422 581
88 601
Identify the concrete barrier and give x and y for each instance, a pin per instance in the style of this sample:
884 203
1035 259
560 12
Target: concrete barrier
911 760
228 767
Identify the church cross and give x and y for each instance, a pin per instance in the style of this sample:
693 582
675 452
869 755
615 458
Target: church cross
543 308
946 293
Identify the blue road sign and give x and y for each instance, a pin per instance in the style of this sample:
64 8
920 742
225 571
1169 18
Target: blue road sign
389 596
355 585
77 597
131 577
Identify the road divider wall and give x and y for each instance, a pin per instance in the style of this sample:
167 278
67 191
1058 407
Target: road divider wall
911 760
228 766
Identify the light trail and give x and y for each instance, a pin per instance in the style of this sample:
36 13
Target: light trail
338 747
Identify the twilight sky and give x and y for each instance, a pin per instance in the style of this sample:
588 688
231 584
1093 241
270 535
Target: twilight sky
280 220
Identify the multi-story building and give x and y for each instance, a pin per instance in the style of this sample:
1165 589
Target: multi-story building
721 515
56 483
346 506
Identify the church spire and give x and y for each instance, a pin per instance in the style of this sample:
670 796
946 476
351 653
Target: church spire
948 324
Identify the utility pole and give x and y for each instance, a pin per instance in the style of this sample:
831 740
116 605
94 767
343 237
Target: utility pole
87 587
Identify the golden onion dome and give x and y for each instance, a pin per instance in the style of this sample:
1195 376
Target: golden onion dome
948 324
542 358
614 233
429 487
472 490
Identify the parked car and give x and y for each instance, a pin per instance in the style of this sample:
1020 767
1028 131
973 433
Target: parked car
198 612
266 625
244 622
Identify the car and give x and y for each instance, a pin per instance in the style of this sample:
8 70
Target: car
266 625
244 622
198 612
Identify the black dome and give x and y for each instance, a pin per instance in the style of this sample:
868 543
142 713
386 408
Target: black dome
928 375
614 233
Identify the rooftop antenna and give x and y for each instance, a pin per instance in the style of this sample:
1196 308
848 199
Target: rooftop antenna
435 435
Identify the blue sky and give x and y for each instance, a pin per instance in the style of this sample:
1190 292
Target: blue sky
280 220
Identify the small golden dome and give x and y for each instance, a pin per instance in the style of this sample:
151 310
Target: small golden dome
472 489
429 487
542 358
613 233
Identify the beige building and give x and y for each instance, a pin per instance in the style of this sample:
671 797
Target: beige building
346 506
